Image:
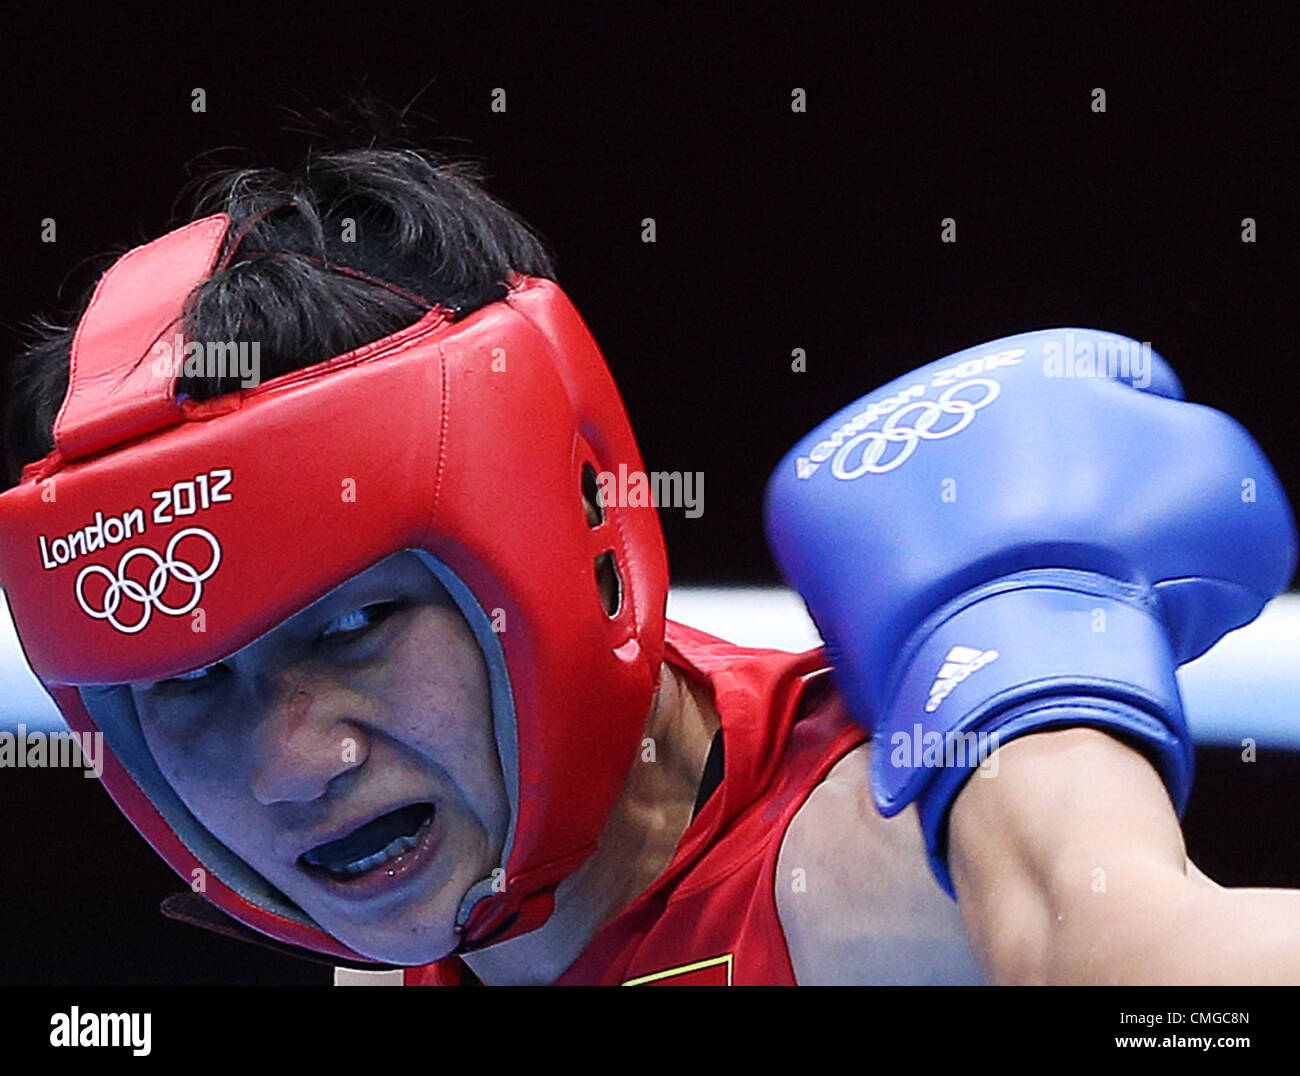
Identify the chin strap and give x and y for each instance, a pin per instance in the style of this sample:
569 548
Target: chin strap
501 916
197 911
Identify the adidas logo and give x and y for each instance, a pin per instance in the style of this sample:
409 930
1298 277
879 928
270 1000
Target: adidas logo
959 664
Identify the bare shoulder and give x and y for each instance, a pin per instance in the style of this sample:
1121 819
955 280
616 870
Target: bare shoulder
855 895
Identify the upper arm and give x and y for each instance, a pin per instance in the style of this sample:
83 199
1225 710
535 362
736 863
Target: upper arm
854 892
1073 842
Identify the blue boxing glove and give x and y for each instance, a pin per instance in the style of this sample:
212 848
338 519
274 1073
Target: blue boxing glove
1030 534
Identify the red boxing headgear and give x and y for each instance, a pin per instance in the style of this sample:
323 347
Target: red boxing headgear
465 441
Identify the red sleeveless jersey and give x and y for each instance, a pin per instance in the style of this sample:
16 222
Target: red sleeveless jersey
710 918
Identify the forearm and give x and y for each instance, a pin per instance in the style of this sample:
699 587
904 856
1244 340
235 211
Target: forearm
1070 868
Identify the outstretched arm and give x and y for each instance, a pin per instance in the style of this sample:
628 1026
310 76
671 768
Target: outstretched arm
1070 867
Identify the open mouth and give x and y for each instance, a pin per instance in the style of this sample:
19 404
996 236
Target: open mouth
379 845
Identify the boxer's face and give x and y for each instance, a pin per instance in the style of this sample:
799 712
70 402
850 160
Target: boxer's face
348 756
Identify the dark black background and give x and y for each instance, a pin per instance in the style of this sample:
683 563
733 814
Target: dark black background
775 231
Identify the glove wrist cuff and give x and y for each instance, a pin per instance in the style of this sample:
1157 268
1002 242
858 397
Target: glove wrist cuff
1043 635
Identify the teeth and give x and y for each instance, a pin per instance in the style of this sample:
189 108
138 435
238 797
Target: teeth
390 851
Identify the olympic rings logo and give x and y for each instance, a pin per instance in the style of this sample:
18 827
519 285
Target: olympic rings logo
925 417
148 596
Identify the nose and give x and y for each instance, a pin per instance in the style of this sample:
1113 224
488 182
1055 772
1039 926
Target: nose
304 741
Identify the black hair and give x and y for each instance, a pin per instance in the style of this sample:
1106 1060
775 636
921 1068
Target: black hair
351 247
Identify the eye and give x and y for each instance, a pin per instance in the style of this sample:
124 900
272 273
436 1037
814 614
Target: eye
189 681
353 624
197 674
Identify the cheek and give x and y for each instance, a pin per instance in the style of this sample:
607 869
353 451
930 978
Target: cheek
436 688
204 772
200 766
438 664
